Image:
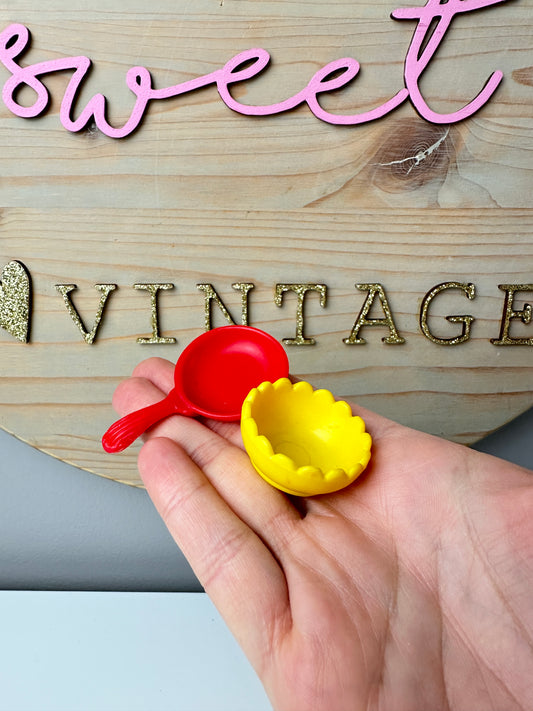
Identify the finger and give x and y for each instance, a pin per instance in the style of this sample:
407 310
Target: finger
151 381
377 425
231 431
262 507
159 371
133 394
237 570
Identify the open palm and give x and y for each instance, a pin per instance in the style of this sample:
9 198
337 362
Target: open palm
411 589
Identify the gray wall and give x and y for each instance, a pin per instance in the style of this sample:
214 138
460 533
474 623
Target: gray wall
64 529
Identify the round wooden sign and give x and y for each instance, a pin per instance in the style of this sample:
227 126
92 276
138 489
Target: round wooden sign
353 178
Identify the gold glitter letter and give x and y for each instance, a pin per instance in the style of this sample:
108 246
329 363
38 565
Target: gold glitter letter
153 289
15 301
211 295
362 320
470 291
105 289
509 313
301 290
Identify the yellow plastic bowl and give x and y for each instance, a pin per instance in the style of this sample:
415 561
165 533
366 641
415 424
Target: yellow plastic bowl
301 440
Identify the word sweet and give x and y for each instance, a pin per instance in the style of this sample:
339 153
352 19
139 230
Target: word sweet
433 21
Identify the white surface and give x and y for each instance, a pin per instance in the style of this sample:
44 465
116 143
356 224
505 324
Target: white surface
120 652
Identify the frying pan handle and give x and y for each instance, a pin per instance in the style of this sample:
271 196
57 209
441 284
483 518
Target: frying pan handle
126 430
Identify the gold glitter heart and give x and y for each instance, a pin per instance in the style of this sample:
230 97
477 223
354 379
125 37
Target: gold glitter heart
15 298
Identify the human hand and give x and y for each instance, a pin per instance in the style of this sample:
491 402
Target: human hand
410 589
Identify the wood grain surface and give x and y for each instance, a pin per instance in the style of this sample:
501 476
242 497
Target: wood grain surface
200 194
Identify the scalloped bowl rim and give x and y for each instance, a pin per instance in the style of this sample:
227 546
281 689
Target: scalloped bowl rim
313 479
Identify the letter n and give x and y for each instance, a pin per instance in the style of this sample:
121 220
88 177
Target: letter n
211 295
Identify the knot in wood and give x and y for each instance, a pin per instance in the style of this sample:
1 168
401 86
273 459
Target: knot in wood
412 153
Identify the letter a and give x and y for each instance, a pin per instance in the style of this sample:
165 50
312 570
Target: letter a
362 320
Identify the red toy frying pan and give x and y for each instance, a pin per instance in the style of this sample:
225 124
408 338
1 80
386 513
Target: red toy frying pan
212 378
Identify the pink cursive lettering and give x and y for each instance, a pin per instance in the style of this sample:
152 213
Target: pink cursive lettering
417 58
433 21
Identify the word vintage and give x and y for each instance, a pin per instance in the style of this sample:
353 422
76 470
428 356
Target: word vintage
15 310
433 21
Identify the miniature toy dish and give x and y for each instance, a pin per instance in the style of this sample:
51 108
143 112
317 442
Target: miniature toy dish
301 440
212 377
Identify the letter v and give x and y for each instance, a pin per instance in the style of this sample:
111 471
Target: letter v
105 289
